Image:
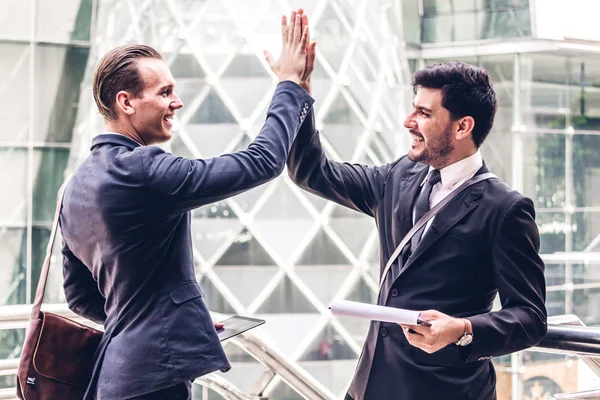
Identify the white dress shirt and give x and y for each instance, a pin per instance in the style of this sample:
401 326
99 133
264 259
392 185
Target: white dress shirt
452 177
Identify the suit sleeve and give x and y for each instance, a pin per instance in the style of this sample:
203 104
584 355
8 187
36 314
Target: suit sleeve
358 187
81 290
185 183
519 275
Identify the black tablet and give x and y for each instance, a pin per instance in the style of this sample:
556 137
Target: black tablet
236 325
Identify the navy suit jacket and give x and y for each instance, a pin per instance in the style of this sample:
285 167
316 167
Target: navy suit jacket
127 249
484 242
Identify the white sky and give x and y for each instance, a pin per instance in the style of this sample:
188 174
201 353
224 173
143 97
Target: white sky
579 19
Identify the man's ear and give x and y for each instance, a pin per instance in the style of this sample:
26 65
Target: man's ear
123 102
465 127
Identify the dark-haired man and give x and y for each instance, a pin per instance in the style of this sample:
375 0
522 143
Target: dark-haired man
125 220
484 242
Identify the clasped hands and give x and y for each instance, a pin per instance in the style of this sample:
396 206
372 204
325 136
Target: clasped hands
443 331
297 60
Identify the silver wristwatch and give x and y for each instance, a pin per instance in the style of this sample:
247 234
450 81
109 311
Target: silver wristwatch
466 338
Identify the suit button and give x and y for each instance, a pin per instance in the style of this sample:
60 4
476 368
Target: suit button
394 292
383 332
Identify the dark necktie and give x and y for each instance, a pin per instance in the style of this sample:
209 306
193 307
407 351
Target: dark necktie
422 206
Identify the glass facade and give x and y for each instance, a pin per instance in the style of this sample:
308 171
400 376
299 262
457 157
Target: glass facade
277 252
462 20
44 52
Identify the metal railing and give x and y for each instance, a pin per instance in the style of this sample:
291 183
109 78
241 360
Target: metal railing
17 316
566 335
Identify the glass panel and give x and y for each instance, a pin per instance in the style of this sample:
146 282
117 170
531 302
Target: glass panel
588 272
586 305
209 235
63 20
552 227
501 24
185 65
247 93
362 294
14 89
555 274
13 202
282 212
322 251
15 19
284 392
328 345
212 111
555 303
237 278
11 341
352 227
586 231
324 282
58 76
286 299
549 159
50 165
334 39
213 140
217 36
465 26
431 7
214 300
586 170
13 272
245 250
464 5
437 29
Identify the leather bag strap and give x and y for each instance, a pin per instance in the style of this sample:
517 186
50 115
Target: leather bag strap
41 288
430 214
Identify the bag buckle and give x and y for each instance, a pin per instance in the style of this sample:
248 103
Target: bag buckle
31 381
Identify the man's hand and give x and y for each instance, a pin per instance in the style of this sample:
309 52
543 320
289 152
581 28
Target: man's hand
444 330
310 57
292 63
218 325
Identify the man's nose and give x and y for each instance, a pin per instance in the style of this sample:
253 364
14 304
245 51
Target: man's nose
409 122
177 104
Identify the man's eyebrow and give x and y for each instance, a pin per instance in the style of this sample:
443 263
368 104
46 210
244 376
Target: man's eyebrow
422 108
170 86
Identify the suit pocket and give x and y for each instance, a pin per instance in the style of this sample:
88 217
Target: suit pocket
187 291
446 357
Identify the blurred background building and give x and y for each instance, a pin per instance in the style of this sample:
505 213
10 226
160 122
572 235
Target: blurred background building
277 252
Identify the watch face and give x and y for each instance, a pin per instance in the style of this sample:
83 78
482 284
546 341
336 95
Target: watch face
465 340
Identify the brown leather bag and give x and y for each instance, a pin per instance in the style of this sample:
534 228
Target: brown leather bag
58 354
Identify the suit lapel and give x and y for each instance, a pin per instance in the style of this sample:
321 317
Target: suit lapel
459 207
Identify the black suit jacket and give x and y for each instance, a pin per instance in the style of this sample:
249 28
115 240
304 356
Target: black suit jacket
484 242
127 250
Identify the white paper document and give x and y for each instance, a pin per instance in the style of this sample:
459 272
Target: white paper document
373 312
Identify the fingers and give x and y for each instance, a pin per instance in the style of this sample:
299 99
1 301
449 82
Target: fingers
305 23
284 30
298 31
269 58
292 28
311 54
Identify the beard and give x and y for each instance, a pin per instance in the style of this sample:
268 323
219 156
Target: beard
436 150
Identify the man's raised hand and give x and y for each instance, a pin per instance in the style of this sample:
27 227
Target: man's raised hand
292 63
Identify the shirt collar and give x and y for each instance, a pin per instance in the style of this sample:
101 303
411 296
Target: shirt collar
454 173
115 138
